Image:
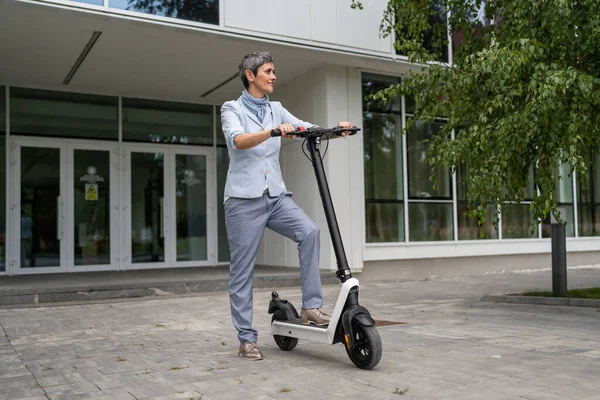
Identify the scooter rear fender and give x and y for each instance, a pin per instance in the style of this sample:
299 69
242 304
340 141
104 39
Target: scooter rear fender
285 306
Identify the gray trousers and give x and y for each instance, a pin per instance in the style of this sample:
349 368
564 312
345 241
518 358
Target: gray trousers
246 220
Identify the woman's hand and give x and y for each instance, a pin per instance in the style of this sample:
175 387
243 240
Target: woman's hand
345 124
285 129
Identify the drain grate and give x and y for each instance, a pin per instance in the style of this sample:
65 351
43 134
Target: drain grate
379 323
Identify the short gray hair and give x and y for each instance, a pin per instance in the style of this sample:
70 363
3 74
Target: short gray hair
253 62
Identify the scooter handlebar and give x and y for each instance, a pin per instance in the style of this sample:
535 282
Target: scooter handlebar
336 131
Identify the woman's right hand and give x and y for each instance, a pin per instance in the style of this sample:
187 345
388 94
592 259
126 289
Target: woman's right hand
285 129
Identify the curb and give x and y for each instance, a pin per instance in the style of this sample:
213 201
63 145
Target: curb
77 293
550 301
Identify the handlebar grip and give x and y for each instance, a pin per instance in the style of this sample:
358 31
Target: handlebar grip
275 132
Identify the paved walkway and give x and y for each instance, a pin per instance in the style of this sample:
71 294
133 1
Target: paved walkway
453 346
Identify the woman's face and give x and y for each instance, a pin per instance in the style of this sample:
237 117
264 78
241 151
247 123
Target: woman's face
264 80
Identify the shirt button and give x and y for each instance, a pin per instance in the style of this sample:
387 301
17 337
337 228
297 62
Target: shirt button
266 172
264 144
262 158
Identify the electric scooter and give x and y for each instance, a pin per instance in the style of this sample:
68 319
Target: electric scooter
350 322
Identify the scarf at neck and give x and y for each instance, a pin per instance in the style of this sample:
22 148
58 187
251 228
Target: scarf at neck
257 106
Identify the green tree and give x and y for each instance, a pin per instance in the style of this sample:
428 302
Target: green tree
522 91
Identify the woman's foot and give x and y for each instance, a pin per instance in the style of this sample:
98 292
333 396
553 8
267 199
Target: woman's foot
314 316
250 351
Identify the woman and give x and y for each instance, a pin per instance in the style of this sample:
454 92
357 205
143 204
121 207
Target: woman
256 198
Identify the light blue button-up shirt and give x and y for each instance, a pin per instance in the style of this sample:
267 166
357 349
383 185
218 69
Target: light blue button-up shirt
251 170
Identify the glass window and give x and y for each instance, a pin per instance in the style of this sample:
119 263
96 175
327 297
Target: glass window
430 221
468 228
2 178
40 186
147 208
206 11
382 140
383 156
517 222
564 197
61 114
588 205
222 166
566 214
91 207
371 84
385 221
190 207
92 2
419 171
167 122
437 17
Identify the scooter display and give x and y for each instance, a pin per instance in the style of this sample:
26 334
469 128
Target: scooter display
351 323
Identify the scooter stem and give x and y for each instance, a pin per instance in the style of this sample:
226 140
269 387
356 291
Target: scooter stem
343 272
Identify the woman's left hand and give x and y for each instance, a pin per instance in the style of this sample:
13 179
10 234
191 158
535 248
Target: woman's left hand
345 124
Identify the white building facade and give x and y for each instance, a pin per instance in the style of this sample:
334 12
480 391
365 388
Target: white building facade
113 158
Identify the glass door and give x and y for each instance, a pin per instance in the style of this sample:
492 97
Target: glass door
146 220
169 208
93 202
61 212
192 205
38 206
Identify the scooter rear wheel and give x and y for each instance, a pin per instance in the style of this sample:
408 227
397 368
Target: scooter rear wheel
366 352
285 343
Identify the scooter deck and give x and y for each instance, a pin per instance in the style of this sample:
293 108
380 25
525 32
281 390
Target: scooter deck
298 321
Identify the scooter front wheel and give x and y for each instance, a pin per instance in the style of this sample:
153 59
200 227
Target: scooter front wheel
366 352
285 343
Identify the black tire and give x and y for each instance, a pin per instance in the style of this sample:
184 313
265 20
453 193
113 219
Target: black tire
366 352
285 343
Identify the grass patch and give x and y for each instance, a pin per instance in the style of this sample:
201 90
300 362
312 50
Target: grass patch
121 359
284 390
176 368
400 392
588 293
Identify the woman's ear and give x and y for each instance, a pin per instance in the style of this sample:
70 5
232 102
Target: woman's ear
249 75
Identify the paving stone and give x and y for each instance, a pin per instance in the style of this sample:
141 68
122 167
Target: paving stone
453 345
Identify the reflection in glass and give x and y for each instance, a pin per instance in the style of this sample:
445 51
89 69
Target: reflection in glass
469 229
385 222
371 84
40 190
222 166
220 135
566 216
190 207
437 16
2 179
93 2
61 114
430 222
564 186
589 219
588 210
419 171
383 156
517 222
167 122
91 188
206 11
147 207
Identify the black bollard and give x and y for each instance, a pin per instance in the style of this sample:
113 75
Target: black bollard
559 260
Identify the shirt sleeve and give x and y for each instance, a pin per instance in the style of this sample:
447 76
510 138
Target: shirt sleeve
230 122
